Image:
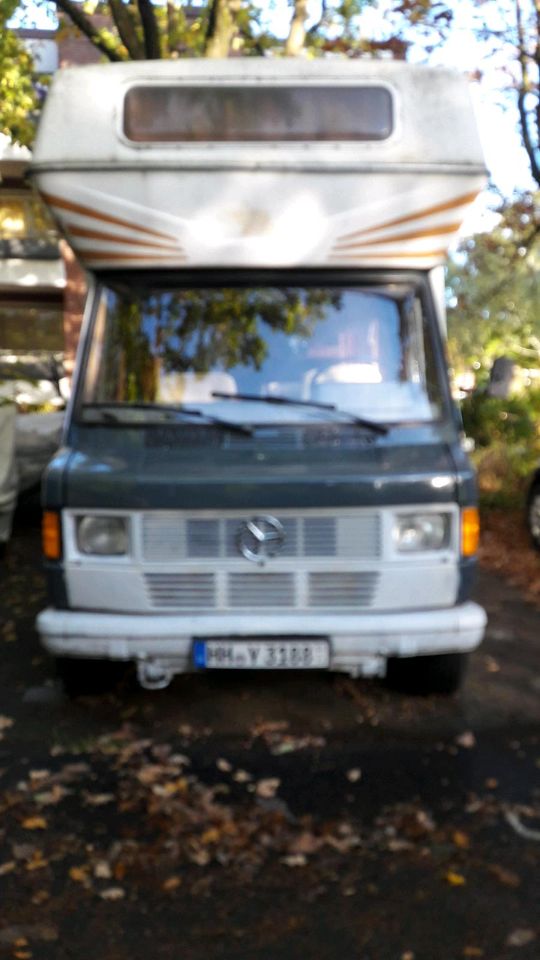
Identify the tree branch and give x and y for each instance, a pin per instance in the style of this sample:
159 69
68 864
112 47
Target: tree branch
126 29
152 47
524 91
85 25
315 27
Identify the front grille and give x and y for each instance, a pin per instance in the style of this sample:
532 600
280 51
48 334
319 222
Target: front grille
227 591
163 536
341 589
203 538
320 537
261 590
181 591
167 536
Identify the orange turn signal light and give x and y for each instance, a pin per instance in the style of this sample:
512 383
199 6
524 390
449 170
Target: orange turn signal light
51 539
470 531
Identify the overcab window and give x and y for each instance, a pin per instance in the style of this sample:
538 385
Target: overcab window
177 114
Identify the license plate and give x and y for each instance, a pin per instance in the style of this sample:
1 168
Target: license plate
261 654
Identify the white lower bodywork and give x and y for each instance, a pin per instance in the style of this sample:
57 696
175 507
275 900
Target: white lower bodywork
349 586
359 643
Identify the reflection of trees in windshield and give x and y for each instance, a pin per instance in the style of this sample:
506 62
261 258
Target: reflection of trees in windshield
198 331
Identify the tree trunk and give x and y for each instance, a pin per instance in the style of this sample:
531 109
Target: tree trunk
221 27
297 33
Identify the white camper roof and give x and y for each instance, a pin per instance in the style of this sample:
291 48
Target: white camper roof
139 174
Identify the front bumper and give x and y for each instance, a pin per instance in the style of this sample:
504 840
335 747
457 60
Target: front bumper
359 643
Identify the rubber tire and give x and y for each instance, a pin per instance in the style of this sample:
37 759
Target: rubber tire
86 677
532 527
439 673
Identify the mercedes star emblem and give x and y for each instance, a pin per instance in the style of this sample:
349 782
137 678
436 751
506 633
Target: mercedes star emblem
260 538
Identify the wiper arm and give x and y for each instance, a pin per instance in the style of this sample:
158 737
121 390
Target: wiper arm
177 411
289 401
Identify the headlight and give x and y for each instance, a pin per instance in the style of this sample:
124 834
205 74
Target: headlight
421 531
105 536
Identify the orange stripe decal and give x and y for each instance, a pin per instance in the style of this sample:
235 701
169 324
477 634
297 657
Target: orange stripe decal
116 238
106 255
391 255
427 212
62 204
398 237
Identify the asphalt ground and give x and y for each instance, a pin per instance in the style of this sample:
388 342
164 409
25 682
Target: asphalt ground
268 816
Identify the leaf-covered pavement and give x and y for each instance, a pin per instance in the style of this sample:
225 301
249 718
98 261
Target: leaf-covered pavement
269 817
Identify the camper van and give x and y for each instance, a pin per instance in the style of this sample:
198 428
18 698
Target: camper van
262 466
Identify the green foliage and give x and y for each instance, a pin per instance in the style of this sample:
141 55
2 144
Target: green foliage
511 422
197 331
494 290
507 445
18 99
504 475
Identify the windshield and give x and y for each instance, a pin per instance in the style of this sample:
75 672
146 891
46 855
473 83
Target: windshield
363 352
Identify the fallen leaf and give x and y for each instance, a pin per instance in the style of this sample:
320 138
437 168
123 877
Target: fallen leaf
5 722
171 883
51 797
119 870
306 842
31 931
112 893
416 823
36 862
473 952
461 839
98 799
396 845
41 896
200 856
150 773
267 788
102 870
507 877
408 955
224 765
39 774
520 937
79 874
242 776
34 823
170 789
466 740
7 867
491 783
294 860
455 879
211 835
286 743
354 775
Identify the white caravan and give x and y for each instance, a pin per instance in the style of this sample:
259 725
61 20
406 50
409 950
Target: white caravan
262 464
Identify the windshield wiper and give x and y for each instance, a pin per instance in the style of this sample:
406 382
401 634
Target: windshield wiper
177 411
289 401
